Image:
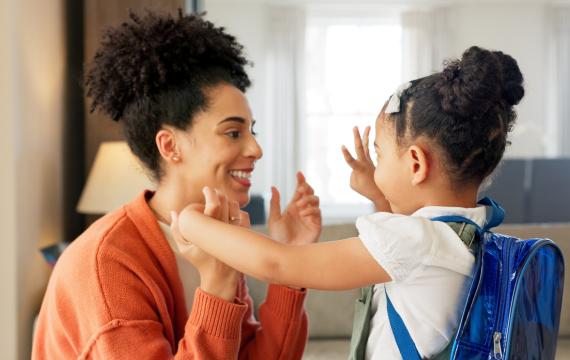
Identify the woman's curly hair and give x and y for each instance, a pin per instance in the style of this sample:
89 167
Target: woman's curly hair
155 69
466 110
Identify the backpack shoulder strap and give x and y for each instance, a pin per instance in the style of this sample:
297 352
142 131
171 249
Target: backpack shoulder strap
468 233
404 340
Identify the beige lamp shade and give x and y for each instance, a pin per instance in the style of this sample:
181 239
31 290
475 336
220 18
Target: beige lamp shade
115 179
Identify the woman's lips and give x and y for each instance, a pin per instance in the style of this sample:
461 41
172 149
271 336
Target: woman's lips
242 176
242 181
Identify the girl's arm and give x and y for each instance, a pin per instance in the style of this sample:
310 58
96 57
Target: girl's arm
335 265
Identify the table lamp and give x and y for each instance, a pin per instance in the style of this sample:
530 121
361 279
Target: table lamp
115 179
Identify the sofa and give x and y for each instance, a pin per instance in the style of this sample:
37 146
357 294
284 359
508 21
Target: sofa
330 312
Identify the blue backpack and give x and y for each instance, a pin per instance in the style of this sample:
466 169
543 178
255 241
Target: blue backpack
513 306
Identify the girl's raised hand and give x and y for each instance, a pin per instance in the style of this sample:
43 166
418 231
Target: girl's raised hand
362 175
301 221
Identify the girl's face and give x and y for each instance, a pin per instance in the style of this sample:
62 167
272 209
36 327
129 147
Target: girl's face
392 175
220 150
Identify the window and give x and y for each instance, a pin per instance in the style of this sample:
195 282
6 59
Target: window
351 67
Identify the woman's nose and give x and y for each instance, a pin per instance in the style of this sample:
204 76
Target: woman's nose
253 149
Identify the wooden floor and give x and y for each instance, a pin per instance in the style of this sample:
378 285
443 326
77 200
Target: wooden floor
338 350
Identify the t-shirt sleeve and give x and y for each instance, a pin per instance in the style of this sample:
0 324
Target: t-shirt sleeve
400 244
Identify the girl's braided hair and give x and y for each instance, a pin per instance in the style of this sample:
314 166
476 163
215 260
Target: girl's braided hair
155 69
467 110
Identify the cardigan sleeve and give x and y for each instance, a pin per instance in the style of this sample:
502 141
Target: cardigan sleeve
281 332
216 329
212 332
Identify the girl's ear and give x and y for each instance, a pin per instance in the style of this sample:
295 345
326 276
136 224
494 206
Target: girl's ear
419 164
166 143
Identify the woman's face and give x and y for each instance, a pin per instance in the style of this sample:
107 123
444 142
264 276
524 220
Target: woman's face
220 150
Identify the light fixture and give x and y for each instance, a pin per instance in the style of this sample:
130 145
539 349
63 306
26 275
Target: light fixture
116 177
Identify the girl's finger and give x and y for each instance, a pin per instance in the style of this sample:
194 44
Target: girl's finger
365 142
348 157
224 209
212 206
358 148
176 230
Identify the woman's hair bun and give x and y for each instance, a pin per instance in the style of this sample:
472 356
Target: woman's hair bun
154 53
471 86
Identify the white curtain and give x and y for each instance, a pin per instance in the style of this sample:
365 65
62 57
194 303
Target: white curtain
423 42
284 97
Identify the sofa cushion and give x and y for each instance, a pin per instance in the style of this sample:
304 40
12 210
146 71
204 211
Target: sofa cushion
330 312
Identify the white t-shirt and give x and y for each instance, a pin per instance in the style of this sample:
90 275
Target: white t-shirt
430 268
188 273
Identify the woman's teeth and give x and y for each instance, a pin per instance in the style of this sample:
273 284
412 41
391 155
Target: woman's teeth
241 174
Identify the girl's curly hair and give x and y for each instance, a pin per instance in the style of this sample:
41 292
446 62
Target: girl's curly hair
466 110
155 69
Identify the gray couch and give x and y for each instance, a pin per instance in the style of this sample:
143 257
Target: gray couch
330 313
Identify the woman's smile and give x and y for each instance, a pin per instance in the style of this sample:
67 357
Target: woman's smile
242 176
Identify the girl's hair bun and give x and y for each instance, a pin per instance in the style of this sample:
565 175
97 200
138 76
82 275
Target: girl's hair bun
512 79
470 85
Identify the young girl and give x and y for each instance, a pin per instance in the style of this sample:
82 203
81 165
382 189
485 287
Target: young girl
437 139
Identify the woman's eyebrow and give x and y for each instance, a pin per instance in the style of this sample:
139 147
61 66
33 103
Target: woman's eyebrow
233 118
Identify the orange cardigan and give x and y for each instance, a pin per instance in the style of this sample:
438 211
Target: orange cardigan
116 293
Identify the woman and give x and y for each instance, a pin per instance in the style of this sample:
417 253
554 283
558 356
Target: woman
122 289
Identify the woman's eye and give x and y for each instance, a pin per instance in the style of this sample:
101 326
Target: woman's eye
233 134
253 132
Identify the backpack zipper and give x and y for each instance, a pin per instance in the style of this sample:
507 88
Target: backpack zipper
497 351
497 335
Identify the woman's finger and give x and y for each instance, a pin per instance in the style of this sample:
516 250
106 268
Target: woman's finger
311 200
304 189
234 212
314 212
300 183
244 219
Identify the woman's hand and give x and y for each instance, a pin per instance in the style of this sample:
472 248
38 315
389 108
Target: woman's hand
362 176
216 278
300 222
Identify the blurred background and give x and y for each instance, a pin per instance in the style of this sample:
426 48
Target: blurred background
320 67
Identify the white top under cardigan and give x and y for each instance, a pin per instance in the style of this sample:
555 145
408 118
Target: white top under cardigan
189 275
430 268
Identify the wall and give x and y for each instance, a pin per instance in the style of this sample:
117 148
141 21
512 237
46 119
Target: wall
8 264
519 29
249 22
32 96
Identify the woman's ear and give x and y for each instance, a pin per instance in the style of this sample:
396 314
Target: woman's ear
167 147
419 164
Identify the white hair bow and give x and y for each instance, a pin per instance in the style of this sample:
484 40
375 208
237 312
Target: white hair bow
394 102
